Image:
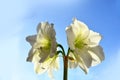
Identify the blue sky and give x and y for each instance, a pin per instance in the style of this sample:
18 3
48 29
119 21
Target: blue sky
19 18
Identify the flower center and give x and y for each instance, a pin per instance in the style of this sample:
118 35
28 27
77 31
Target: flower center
79 42
45 43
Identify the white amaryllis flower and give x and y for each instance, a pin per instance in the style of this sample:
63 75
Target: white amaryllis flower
84 45
44 46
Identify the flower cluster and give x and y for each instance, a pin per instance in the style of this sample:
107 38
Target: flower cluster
84 49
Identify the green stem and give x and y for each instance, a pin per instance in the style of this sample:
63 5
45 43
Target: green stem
65 60
63 51
65 68
66 65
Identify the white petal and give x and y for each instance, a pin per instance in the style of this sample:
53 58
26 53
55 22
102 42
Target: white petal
50 74
97 55
56 63
31 54
43 55
50 31
84 35
36 57
81 63
85 57
38 69
31 39
40 27
94 38
46 30
49 62
70 37
83 67
52 62
79 28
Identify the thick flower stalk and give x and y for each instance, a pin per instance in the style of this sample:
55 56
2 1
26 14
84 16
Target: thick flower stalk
84 46
44 49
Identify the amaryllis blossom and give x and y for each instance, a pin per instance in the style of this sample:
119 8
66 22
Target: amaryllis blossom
44 48
84 45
